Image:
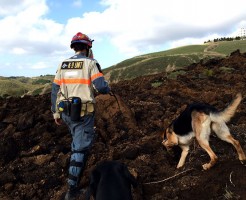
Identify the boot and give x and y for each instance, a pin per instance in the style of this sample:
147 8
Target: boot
73 193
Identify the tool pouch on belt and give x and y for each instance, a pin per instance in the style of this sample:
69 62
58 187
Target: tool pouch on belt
71 107
75 108
65 107
87 108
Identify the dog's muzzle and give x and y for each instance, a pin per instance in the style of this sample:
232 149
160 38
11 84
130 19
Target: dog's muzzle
164 143
168 145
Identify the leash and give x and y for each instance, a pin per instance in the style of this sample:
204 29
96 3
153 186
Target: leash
166 179
113 94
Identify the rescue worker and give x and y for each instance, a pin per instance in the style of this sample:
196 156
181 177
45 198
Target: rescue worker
76 79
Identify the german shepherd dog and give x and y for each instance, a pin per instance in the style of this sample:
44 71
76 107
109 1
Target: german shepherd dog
196 121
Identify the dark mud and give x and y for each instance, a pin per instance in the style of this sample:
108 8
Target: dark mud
34 152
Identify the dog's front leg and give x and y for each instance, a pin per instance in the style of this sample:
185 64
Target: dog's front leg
185 151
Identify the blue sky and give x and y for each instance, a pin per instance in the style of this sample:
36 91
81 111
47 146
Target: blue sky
36 34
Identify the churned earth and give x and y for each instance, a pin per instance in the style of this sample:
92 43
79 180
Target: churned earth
34 152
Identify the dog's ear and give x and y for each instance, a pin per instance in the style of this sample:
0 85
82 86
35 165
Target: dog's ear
169 130
163 135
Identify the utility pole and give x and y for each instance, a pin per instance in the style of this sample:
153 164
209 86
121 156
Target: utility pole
243 33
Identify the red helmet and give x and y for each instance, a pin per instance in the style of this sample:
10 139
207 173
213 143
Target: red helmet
81 38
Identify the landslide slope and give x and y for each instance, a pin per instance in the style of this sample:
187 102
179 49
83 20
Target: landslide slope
34 152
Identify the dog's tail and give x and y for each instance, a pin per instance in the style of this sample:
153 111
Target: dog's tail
228 112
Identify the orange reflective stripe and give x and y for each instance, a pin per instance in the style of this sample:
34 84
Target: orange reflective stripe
75 81
57 81
96 76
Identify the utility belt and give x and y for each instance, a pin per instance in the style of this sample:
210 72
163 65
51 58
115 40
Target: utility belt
74 108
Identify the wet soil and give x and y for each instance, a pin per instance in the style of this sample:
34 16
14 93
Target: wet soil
34 152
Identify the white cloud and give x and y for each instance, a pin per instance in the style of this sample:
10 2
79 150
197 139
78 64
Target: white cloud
77 3
30 31
18 51
132 27
136 25
39 65
10 7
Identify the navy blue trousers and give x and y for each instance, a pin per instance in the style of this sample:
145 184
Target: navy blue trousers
83 135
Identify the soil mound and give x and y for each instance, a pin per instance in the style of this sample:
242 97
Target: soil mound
34 152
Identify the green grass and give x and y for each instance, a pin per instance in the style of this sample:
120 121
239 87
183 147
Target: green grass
12 88
174 75
178 58
227 69
184 50
156 84
18 86
230 46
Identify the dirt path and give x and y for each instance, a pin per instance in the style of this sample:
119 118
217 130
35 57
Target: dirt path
209 50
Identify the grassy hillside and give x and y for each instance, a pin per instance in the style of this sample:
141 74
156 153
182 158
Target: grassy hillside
171 60
18 86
